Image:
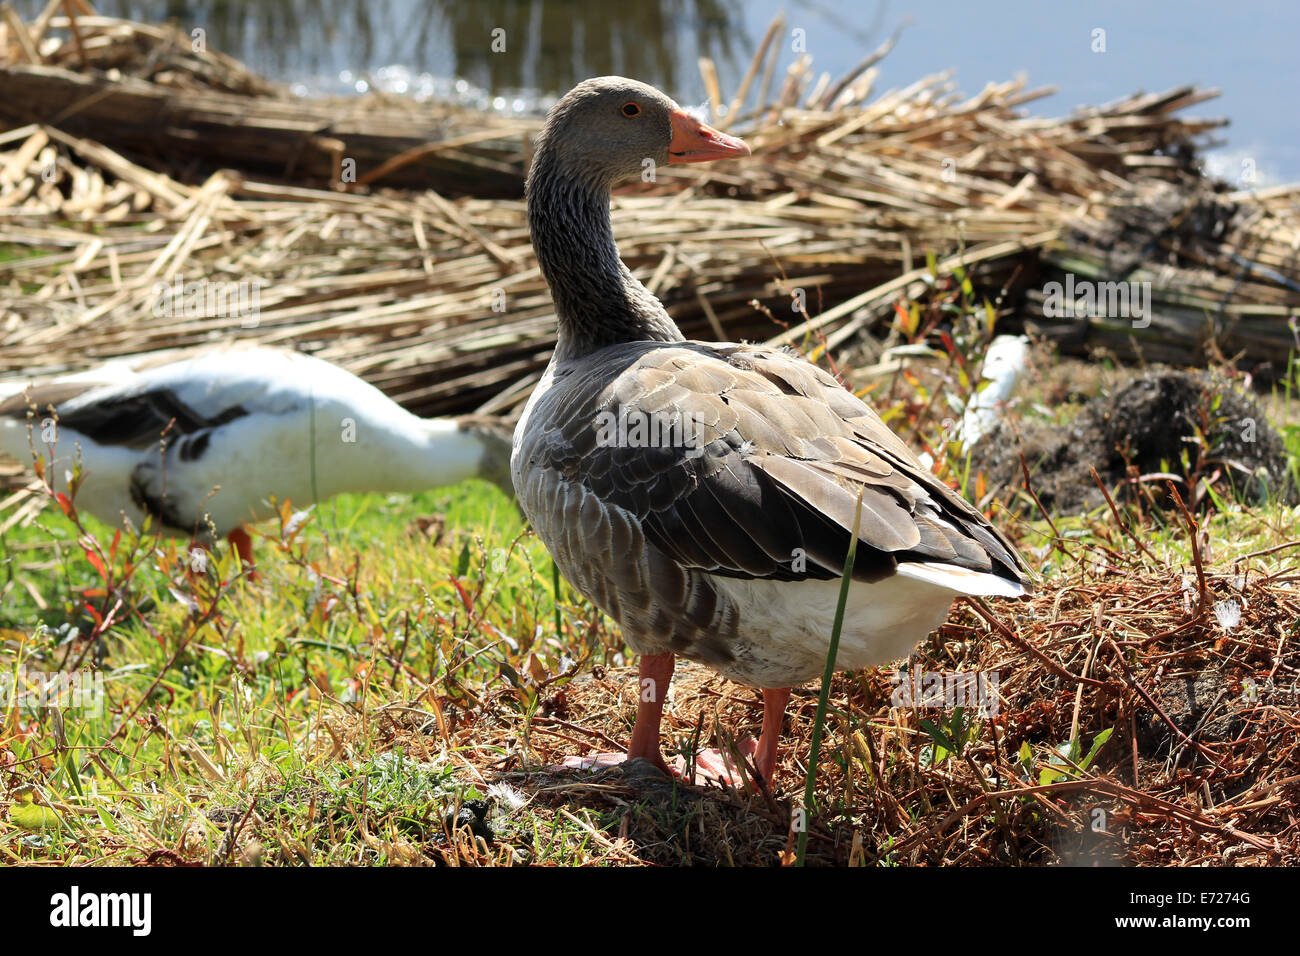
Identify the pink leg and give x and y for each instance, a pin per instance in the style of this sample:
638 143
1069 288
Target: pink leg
769 741
713 765
654 673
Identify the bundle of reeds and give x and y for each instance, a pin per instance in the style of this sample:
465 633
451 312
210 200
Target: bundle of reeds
154 91
439 302
1217 273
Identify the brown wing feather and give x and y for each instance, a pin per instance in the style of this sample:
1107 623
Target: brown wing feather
40 397
134 419
772 468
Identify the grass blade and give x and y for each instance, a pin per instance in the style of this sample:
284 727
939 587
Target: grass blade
823 699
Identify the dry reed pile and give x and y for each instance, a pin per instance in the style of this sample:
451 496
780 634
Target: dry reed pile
109 204
146 89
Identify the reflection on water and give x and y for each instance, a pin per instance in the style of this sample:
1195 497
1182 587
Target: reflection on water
549 44
567 41
443 48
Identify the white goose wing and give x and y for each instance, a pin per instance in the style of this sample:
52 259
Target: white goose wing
130 405
250 401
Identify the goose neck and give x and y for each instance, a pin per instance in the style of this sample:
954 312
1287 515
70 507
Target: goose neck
598 302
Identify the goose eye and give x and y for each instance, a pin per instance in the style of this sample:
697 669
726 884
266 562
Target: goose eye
631 109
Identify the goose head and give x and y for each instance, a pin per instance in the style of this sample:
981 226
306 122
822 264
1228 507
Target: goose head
600 133
610 129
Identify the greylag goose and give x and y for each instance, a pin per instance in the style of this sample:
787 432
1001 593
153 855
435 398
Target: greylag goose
703 494
210 437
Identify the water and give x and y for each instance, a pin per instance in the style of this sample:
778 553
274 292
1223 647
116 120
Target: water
444 48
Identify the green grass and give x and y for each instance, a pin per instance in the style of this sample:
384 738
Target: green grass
371 686
295 686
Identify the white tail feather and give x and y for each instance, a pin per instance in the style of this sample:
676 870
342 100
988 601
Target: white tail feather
960 580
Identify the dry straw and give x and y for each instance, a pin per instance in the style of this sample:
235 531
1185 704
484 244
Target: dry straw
134 161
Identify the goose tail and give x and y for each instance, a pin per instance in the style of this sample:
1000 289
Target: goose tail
962 580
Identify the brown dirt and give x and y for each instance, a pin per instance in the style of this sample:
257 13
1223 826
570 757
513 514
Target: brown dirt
1143 429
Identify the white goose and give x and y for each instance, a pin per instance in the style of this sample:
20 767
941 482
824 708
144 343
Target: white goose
703 494
212 436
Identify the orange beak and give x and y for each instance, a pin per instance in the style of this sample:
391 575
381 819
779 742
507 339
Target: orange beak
695 142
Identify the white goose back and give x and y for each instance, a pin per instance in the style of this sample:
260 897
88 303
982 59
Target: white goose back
239 426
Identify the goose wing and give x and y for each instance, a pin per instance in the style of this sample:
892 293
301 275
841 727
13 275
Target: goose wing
749 462
130 405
